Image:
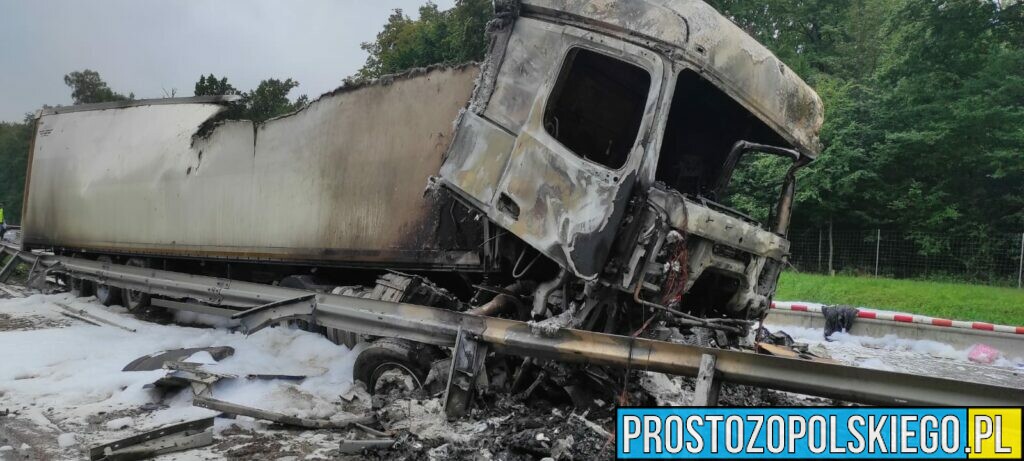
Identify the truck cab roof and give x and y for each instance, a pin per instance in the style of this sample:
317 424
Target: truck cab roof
693 33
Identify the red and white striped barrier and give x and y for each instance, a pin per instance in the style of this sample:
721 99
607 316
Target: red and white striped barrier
903 318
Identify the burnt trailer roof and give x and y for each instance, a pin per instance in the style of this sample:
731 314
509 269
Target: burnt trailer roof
693 32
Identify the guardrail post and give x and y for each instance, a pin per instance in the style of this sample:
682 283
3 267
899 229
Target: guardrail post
705 393
467 361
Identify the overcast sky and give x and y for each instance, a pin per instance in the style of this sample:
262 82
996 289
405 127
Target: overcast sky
150 47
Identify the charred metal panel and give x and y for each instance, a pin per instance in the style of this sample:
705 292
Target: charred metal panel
726 245
723 52
566 206
478 158
341 180
695 219
532 56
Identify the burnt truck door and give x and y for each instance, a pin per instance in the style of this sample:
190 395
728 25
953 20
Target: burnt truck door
575 160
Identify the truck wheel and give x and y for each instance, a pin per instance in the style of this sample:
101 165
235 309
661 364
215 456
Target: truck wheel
80 288
136 300
396 360
107 295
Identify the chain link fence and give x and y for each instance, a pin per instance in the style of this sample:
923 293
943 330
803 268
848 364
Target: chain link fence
992 259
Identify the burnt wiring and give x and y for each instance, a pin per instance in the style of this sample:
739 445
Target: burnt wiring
676 280
515 269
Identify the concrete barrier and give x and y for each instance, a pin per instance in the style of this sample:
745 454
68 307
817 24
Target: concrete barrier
1011 345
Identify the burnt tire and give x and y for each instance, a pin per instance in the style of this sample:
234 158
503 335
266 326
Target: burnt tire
390 354
80 288
106 294
136 301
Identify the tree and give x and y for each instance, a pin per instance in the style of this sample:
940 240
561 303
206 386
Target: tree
210 86
924 113
14 143
88 88
953 115
268 100
457 35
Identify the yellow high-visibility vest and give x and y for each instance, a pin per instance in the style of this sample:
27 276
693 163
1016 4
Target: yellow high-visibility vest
1 215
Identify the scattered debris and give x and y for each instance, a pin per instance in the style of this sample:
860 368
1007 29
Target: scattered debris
981 353
156 361
168 439
80 319
184 374
778 338
93 319
838 319
358 446
241 410
781 344
67 440
594 427
14 293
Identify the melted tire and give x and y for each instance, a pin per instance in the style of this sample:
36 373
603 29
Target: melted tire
80 288
389 354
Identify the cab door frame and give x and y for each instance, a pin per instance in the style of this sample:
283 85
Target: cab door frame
567 207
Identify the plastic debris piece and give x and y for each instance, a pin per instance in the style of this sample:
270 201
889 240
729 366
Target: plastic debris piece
981 353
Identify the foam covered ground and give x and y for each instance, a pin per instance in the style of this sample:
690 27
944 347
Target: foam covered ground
923 357
65 377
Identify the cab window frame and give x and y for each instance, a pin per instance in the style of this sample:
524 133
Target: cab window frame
653 66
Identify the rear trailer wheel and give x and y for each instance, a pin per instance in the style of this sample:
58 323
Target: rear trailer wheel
390 362
80 288
107 295
136 300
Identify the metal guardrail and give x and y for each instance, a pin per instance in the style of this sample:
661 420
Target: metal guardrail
442 327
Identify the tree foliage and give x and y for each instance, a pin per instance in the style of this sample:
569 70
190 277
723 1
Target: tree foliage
88 88
14 142
209 85
268 100
452 36
924 106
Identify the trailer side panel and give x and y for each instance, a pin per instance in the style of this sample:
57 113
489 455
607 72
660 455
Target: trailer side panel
340 181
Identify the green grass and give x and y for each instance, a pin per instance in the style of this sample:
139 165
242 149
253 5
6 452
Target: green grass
956 301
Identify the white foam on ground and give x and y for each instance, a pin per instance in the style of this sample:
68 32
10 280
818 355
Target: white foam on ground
846 347
62 376
196 318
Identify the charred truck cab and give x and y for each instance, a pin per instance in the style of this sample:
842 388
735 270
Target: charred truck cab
603 134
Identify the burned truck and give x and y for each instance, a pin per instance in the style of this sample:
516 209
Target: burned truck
574 178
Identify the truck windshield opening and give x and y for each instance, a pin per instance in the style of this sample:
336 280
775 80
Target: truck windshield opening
703 125
597 107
